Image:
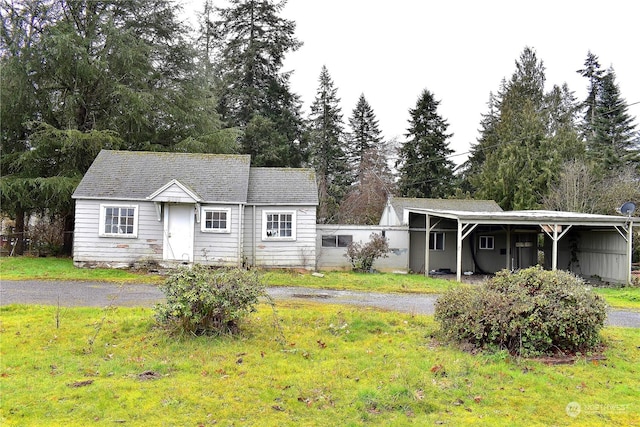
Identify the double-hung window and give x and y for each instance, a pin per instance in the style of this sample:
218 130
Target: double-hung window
118 221
436 241
279 225
216 220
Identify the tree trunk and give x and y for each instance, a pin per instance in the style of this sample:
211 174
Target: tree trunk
67 242
19 233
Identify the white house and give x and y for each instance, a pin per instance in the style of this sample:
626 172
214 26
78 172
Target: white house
173 208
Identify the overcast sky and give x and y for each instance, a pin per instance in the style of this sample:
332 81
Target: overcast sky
458 50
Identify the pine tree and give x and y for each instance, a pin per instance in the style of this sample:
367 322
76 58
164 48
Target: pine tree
373 181
424 166
326 146
608 129
365 135
253 41
614 139
532 134
594 74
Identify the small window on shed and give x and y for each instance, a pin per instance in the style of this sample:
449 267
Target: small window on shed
486 242
336 240
436 241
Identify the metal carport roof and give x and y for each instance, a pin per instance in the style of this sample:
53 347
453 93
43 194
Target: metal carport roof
554 223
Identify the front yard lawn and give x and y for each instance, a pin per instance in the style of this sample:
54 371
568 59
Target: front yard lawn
335 365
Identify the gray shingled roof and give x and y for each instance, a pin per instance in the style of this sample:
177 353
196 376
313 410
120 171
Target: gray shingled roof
134 175
284 186
400 203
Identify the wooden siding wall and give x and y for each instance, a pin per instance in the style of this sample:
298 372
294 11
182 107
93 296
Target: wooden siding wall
335 259
489 260
89 247
300 253
219 249
600 254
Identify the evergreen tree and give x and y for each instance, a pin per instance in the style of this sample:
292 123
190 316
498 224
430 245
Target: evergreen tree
532 135
594 74
253 41
614 139
77 75
327 156
365 136
608 129
486 143
424 166
372 178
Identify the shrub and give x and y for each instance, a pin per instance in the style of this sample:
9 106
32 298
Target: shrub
362 256
203 301
530 312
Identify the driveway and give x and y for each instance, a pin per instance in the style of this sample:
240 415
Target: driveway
99 294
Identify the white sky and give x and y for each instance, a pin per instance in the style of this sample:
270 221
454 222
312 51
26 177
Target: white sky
459 50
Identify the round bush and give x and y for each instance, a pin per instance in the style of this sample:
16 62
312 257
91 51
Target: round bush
204 301
530 312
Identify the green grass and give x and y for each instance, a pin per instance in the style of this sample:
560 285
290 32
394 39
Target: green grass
624 298
336 366
28 268
342 280
50 268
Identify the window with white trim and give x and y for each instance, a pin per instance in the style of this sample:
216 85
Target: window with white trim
336 240
279 225
118 221
216 220
486 242
436 241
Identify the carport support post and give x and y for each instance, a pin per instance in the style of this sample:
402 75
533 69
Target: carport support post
459 253
508 266
427 233
554 256
629 250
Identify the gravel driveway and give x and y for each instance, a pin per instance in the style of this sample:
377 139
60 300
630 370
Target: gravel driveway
98 294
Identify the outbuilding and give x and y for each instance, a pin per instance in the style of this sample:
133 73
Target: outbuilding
592 246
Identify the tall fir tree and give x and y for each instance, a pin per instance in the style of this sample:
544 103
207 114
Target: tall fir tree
424 166
326 147
364 135
613 142
254 93
372 178
532 135
594 73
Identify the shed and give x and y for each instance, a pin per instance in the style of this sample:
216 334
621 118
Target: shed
593 246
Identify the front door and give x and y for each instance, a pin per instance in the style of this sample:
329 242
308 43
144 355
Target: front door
178 232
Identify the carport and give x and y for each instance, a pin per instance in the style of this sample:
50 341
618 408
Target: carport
592 246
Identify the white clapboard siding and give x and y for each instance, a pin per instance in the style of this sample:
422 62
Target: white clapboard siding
88 246
218 249
300 253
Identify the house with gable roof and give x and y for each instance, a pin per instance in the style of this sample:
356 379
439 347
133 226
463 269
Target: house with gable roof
183 208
